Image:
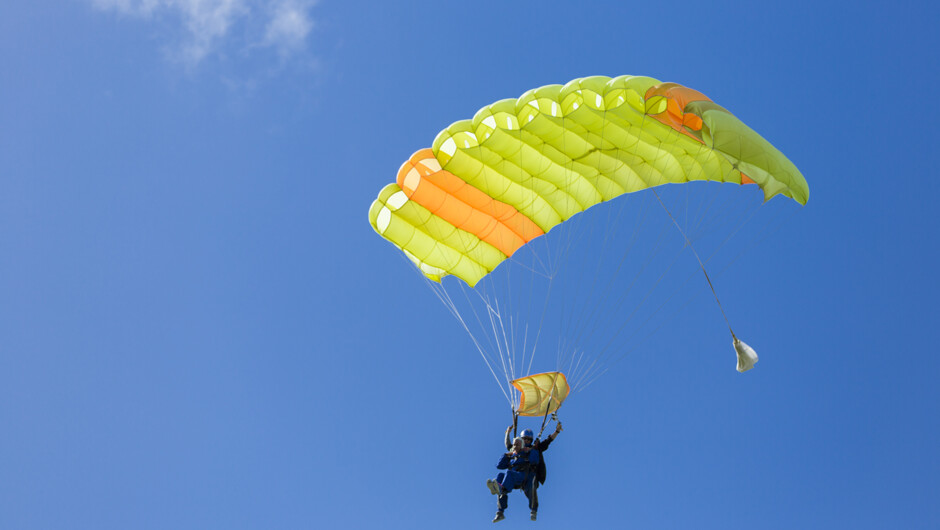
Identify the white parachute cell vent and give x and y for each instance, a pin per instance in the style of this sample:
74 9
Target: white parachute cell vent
449 147
747 357
396 200
412 180
383 219
431 163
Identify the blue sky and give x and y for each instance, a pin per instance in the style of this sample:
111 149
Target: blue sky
199 329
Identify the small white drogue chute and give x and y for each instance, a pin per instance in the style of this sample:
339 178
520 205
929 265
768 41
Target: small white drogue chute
747 357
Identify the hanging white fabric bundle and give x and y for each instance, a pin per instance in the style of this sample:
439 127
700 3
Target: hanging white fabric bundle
747 357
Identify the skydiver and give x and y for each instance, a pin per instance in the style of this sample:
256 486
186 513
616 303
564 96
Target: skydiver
529 465
520 464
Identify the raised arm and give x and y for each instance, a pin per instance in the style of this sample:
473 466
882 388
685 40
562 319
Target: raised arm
543 445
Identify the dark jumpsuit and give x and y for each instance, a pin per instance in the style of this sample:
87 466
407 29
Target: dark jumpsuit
531 482
520 473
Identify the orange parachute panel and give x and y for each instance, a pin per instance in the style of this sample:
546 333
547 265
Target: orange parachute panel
677 97
465 207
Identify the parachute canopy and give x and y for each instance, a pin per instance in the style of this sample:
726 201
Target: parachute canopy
509 184
541 394
520 167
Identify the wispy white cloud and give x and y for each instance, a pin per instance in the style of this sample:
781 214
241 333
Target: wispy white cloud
208 27
288 26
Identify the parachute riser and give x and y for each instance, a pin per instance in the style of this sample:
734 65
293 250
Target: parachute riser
554 413
554 418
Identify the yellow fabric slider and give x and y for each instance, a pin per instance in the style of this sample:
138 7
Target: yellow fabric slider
541 393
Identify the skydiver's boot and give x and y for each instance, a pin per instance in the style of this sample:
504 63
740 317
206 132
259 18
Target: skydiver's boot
533 515
493 486
499 517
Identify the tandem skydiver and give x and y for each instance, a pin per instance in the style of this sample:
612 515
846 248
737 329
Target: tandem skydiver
525 470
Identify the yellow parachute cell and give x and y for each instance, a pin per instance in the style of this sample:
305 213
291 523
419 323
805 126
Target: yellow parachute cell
541 393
